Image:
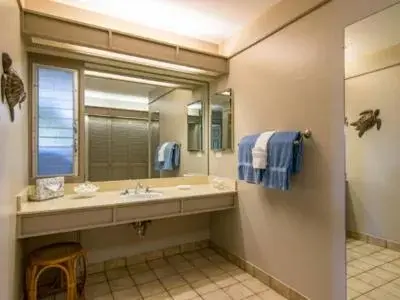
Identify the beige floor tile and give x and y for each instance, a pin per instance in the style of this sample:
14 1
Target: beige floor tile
115 263
383 257
163 296
216 295
182 266
96 278
145 277
201 262
360 265
240 275
351 255
384 274
359 286
212 271
175 259
158 263
121 284
227 266
352 271
270 295
392 288
392 253
223 280
165 271
104 297
216 259
117 273
255 285
139 268
174 281
183 293
391 268
371 261
367 249
206 252
362 297
192 255
380 294
97 290
128 294
95 268
396 262
352 294
351 243
151 289
255 297
204 286
397 281
373 280
135 259
238 291
193 275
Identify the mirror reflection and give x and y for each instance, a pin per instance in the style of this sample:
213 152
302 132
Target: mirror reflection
195 126
135 130
221 121
372 90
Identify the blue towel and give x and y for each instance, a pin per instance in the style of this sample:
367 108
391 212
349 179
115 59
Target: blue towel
171 157
284 159
245 164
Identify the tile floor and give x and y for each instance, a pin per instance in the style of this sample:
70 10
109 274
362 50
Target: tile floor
195 275
372 272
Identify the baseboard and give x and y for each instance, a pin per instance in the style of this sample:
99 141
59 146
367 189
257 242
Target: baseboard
370 239
275 284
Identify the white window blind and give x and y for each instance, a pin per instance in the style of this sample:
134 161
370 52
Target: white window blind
55 113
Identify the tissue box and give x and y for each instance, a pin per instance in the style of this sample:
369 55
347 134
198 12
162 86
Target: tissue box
49 188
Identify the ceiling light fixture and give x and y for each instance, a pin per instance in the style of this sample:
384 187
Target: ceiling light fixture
120 57
129 78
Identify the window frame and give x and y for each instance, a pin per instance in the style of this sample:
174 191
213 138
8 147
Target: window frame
35 62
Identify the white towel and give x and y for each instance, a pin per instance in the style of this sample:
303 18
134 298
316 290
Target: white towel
259 152
161 152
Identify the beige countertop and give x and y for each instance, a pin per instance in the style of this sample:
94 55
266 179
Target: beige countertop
113 198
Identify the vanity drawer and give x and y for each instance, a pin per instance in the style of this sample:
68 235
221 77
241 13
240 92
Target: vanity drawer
64 221
143 211
215 202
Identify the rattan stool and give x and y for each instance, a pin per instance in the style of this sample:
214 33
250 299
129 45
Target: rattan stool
63 256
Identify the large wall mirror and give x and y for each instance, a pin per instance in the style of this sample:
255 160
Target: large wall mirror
372 128
195 126
221 138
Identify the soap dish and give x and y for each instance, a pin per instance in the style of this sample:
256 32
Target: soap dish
184 187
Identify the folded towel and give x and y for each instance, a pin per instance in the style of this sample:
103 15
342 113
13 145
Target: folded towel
259 152
285 159
246 171
161 152
171 158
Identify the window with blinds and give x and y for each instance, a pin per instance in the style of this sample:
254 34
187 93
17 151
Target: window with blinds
55 116
117 148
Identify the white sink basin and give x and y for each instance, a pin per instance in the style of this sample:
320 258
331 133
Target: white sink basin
141 196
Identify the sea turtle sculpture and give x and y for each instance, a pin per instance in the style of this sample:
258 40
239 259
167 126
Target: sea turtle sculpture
367 120
12 87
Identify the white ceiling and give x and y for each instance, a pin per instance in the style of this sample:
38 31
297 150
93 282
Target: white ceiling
374 33
208 20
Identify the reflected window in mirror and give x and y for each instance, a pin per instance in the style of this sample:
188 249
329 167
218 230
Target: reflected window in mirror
195 126
222 121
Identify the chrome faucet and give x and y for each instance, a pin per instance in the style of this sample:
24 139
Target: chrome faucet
139 186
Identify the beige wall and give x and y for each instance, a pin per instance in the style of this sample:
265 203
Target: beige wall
372 162
173 127
13 153
294 80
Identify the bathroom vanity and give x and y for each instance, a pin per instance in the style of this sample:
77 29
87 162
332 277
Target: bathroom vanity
109 208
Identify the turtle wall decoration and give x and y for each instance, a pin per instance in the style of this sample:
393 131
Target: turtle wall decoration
12 86
367 120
